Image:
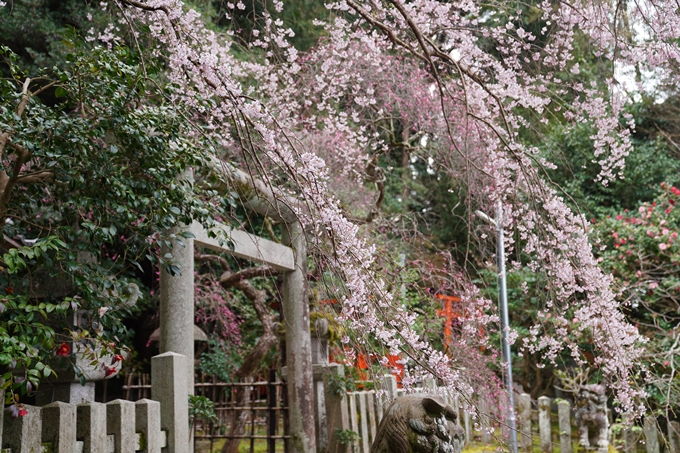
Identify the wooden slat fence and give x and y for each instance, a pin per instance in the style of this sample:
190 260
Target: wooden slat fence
266 410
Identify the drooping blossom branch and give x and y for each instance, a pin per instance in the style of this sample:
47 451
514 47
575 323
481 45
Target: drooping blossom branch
471 97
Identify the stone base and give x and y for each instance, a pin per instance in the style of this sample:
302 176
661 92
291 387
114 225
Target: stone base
73 393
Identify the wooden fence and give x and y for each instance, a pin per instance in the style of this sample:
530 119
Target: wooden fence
266 409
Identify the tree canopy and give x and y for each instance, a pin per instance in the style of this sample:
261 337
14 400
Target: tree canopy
394 110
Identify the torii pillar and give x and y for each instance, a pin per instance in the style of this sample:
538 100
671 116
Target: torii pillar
177 302
177 293
299 373
267 201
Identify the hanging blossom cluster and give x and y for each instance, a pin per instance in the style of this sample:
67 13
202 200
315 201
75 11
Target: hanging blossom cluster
203 68
463 98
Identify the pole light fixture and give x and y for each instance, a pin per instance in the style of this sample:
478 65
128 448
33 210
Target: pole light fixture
505 318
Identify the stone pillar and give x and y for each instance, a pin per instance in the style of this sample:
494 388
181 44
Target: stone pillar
320 404
148 424
525 421
177 303
169 387
120 421
59 427
337 412
430 385
484 422
91 426
674 437
390 388
651 435
468 426
564 414
544 424
300 381
22 434
628 435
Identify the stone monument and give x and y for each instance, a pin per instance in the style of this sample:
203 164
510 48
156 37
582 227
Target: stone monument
591 418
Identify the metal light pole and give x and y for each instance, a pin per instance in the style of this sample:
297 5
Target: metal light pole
505 318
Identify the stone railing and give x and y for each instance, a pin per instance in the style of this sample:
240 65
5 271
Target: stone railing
648 438
116 427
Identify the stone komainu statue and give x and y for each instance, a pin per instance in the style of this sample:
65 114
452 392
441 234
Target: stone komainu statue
591 418
418 423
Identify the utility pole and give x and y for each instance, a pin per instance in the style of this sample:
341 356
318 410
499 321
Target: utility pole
505 318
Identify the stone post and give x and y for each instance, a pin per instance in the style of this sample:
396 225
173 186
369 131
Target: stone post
390 388
484 422
320 405
91 426
300 381
525 421
120 421
429 385
456 407
674 437
169 387
22 434
651 435
148 425
628 435
564 414
468 426
544 424
337 412
59 426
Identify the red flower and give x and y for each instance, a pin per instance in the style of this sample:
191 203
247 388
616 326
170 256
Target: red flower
63 350
110 370
22 412
116 358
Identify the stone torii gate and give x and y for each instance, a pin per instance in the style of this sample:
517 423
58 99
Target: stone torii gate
177 295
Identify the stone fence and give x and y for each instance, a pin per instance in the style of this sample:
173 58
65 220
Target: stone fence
649 438
116 427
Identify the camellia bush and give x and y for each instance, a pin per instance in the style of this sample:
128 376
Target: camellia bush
641 249
90 157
